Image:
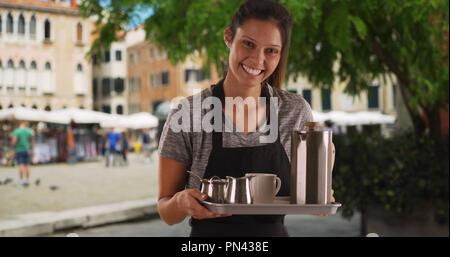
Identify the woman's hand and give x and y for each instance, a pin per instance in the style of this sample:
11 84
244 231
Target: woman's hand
187 200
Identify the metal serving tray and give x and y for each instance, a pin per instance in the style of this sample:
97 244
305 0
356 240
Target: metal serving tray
281 205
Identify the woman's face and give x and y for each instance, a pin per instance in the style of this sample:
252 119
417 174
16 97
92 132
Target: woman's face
254 52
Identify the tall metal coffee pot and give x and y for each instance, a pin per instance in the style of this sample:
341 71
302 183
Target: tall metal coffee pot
312 160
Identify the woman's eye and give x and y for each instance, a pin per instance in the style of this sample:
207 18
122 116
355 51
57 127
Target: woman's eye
248 43
272 51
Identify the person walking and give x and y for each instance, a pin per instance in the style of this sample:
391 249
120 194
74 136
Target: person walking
112 138
124 148
21 141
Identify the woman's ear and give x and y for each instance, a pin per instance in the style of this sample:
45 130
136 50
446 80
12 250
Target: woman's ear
227 37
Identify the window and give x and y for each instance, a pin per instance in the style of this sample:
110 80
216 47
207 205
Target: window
106 108
21 29
119 85
119 109
94 87
48 66
118 55
47 30
151 83
22 64
10 64
106 90
9 24
196 75
79 68
131 58
47 108
150 53
33 65
326 99
107 57
373 97
1 25
165 78
306 93
79 32
33 27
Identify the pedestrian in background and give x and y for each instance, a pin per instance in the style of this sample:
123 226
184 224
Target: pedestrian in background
124 147
112 138
146 144
21 141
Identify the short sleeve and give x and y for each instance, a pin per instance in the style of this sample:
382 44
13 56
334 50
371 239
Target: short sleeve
177 145
305 115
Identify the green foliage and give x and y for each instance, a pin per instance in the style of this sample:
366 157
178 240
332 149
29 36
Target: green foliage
369 39
397 174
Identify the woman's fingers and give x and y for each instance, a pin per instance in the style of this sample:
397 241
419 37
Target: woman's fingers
196 210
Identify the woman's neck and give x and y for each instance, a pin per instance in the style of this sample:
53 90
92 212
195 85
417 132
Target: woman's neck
232 89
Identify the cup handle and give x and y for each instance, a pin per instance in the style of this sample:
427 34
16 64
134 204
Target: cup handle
278 187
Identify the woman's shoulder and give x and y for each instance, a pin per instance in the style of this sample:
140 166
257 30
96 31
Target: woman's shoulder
289 100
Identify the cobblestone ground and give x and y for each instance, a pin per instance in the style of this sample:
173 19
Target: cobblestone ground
64 186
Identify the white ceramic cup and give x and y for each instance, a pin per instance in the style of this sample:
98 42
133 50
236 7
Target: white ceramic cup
264 187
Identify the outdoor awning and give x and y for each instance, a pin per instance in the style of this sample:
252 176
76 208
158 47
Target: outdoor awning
357 118
81 116
27 114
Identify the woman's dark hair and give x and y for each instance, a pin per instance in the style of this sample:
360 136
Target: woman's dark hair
267 10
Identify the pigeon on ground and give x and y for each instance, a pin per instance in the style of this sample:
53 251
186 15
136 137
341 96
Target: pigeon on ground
53 188
7 180
38 181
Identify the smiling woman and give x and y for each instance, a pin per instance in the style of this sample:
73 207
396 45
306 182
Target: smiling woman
258 41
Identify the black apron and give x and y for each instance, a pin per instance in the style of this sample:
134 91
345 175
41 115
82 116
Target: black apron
222 162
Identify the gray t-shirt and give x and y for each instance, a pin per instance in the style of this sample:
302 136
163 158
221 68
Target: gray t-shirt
193 148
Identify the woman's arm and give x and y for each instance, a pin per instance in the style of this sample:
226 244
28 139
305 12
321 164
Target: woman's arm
175 202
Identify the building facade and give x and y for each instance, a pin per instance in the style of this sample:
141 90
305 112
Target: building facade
109 84
43 45
153 79
381 97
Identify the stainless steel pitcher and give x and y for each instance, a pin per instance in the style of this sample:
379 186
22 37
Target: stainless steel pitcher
238 190
312 159
215 189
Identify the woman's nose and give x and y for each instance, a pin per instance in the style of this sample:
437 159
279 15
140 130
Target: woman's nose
257 58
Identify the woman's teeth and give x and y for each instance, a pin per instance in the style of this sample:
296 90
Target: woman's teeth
251 71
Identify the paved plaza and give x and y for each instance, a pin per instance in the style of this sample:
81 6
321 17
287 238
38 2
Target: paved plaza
62 186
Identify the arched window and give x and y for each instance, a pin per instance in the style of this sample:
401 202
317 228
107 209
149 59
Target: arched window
33 65
34 106
10 64
119 109
21 29
47 30
9 24
79 32
79 67
48 66
33 27
22 64
47 108
10 106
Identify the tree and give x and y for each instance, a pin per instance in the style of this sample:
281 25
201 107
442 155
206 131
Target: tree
370 39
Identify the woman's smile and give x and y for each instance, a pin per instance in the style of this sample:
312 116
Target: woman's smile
252 71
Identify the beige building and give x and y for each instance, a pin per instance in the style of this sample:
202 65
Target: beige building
43 45
153 79
381 97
